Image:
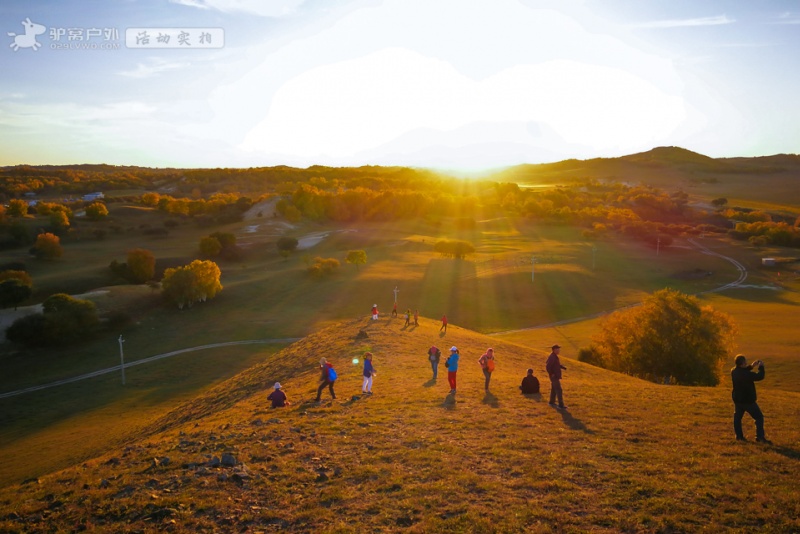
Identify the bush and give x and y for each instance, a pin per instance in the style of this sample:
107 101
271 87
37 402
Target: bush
454 249
670 334
48 246
323 266
63 320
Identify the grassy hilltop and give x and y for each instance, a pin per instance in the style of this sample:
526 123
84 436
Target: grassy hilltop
628 456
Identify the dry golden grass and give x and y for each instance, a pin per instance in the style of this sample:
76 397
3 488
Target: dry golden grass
628 456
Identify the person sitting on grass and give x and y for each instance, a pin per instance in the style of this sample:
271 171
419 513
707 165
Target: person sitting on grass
278 397
530 384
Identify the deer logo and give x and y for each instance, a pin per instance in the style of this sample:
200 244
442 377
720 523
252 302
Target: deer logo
28 39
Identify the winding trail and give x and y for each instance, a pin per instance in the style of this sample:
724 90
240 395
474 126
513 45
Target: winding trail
139 362
702 248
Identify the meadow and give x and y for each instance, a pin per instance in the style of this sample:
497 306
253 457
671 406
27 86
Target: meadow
628 456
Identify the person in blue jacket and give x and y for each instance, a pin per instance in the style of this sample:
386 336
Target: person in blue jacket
369 372
452 368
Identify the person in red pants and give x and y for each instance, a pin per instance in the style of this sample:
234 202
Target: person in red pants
452 368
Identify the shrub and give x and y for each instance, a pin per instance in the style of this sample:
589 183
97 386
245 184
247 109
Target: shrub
48 246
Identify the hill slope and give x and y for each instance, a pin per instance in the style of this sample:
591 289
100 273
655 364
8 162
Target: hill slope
627 456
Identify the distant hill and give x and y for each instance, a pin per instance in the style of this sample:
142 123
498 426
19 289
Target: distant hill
774 179
627 456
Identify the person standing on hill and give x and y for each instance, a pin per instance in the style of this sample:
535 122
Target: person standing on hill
369 372
408 316
530 384
434 354
444 324
326 379
554 368
452 368
394 310
744 396
374 312
487 364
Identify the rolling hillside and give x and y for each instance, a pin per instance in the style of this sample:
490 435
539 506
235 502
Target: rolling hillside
628 456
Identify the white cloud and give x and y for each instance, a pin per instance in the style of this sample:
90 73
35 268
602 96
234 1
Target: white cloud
682 23
155 67
264 8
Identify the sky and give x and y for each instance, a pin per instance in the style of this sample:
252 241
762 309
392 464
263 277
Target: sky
460 85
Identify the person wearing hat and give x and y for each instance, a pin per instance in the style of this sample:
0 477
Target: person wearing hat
487 364
530 384
452 368
554 368
374 312
278 397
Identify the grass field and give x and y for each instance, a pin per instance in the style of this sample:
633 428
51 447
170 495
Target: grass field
628 456
610 463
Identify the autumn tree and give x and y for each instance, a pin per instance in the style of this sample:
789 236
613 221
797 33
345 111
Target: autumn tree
356 257
17 208
59 220
670 335
96 211
47 246
141 265
323 267
196 282
24 277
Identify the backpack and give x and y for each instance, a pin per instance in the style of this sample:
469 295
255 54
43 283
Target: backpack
490 364
332 374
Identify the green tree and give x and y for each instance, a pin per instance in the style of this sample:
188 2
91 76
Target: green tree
13 292
141 265
454 249
210 246
96 211
356 257
669 335
47 246
196 282
64 319
286 245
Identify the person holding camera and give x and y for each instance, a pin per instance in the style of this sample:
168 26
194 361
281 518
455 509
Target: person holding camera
744 396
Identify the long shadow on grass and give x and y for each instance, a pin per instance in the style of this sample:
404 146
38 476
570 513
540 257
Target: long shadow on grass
573 423
430 383
490 399
449 402
793 454
535 396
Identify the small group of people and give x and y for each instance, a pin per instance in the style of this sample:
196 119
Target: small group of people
530 384
743 377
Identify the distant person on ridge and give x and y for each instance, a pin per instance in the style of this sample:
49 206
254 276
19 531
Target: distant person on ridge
325 379
444 324
374 312
416 317
434 354
554 368
408 316
487 364
744 396
394 310
278 397
369 372
530 384
452 368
